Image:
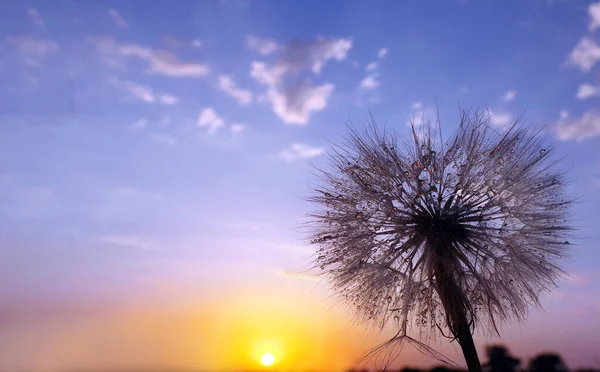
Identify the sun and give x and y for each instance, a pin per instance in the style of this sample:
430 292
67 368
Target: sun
267 359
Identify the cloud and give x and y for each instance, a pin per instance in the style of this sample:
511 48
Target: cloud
369 82
382 52
139 124
164 139
419 114
168 99
295 274
117 18
297 102
237 128
196 43
371 66
586 91
130 241
510 96
32 46
563 114
144 93
499 119
292 100
227 85
35 16
163 62
594 13
587 126
300 151
209 118
263 47
584 55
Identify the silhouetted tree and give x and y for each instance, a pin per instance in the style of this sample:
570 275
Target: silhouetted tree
499 360
441 236
547 362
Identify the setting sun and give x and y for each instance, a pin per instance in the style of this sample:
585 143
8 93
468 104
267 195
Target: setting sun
267 359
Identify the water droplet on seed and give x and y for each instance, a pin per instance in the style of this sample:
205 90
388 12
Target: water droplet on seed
542 151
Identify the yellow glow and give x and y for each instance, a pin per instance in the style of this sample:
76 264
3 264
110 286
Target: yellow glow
267 359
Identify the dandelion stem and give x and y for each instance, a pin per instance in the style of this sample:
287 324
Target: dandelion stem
455 306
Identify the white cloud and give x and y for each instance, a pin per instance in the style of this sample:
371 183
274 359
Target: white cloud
499 119
300 151
295 274
209 118
163 62
35 16
294 102
130 241
196 43
510 96
584 55
33 46
138 125
369 82
371 66
139 91
117 18
594 13
263 47
297 102
586 91
168 99
165 139
355 64
563 114
227 85
587 126
144 93
238 128
419 114
382 52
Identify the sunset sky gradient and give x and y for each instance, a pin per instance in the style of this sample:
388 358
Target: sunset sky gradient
154 156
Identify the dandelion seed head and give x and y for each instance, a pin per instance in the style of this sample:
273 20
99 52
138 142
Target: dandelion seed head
487 209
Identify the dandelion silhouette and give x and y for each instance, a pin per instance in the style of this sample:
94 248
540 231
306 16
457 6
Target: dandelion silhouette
441 236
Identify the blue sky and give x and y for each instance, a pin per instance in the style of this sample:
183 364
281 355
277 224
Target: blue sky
163 147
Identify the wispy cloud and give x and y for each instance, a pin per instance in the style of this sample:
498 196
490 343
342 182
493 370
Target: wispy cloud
371 66
510 96
36 17
300 151
369 82
139 124
163 62
117 18
33 46
164 139
130 241
586 91
295 102
586 126
594 14
144 93
227 85
210 119
584 55
382 52
288 274
499 119
264 47
238 128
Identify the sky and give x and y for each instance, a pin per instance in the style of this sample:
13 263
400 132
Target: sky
154 157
